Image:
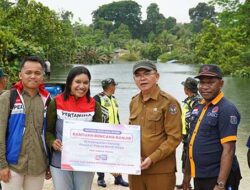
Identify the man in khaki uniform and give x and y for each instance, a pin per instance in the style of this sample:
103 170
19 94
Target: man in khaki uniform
159 116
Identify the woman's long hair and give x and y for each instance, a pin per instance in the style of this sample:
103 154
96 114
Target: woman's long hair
72 74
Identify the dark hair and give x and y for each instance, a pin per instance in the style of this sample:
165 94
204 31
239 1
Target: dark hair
32 58
72 74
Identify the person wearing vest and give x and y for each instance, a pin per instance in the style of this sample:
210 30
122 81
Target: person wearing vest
75 103
3 84
23 158
191 90
110 114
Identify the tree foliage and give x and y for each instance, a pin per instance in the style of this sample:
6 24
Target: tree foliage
200 13
30 28
121 12
220 46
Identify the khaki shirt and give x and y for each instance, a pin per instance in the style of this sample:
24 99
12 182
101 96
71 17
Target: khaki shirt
160 121
32 158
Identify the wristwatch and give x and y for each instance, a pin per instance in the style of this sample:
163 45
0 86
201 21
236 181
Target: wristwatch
221 184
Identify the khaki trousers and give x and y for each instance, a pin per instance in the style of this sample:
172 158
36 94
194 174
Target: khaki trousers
24 182
152 181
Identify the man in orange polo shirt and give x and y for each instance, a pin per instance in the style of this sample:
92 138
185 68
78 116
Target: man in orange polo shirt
213 134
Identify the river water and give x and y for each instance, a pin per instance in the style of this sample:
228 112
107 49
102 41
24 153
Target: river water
171 76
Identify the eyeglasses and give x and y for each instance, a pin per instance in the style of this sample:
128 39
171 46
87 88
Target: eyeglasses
146 74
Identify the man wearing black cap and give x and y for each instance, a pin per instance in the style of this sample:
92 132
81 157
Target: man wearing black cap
191 90
110 114
3 81
213 133
159 117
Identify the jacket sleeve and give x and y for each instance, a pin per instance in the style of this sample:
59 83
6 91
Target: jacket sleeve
51 118
4 115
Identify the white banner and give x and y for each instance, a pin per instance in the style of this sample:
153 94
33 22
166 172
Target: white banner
101 147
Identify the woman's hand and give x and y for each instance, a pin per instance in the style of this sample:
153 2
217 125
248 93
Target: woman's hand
57 145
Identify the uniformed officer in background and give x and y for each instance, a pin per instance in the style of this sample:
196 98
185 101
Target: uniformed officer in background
110 115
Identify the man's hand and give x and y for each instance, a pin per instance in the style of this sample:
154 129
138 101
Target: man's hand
146 163
5 175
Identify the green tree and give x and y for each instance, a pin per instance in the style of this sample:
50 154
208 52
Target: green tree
166 41
200 13
234 19
155 22
104 25
120 36
151 51
220 46
170 23
121 12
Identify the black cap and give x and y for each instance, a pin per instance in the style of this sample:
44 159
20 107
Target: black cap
144 64
2 73
108 81
191 84
209 70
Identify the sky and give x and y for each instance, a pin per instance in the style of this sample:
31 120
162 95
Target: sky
83 9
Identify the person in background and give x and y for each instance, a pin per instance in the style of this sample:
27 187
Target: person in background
110 115
75 99
23 159
47 69
191 90
3 81
159 117
248 152
213 133
3 84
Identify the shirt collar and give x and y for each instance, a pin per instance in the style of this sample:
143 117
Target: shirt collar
24 92
153 95
215 100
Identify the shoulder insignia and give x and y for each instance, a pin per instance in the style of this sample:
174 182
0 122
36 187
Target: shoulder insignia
172 109
233 119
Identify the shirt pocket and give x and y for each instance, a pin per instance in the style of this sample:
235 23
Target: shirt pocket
132 119
209 127
154 121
